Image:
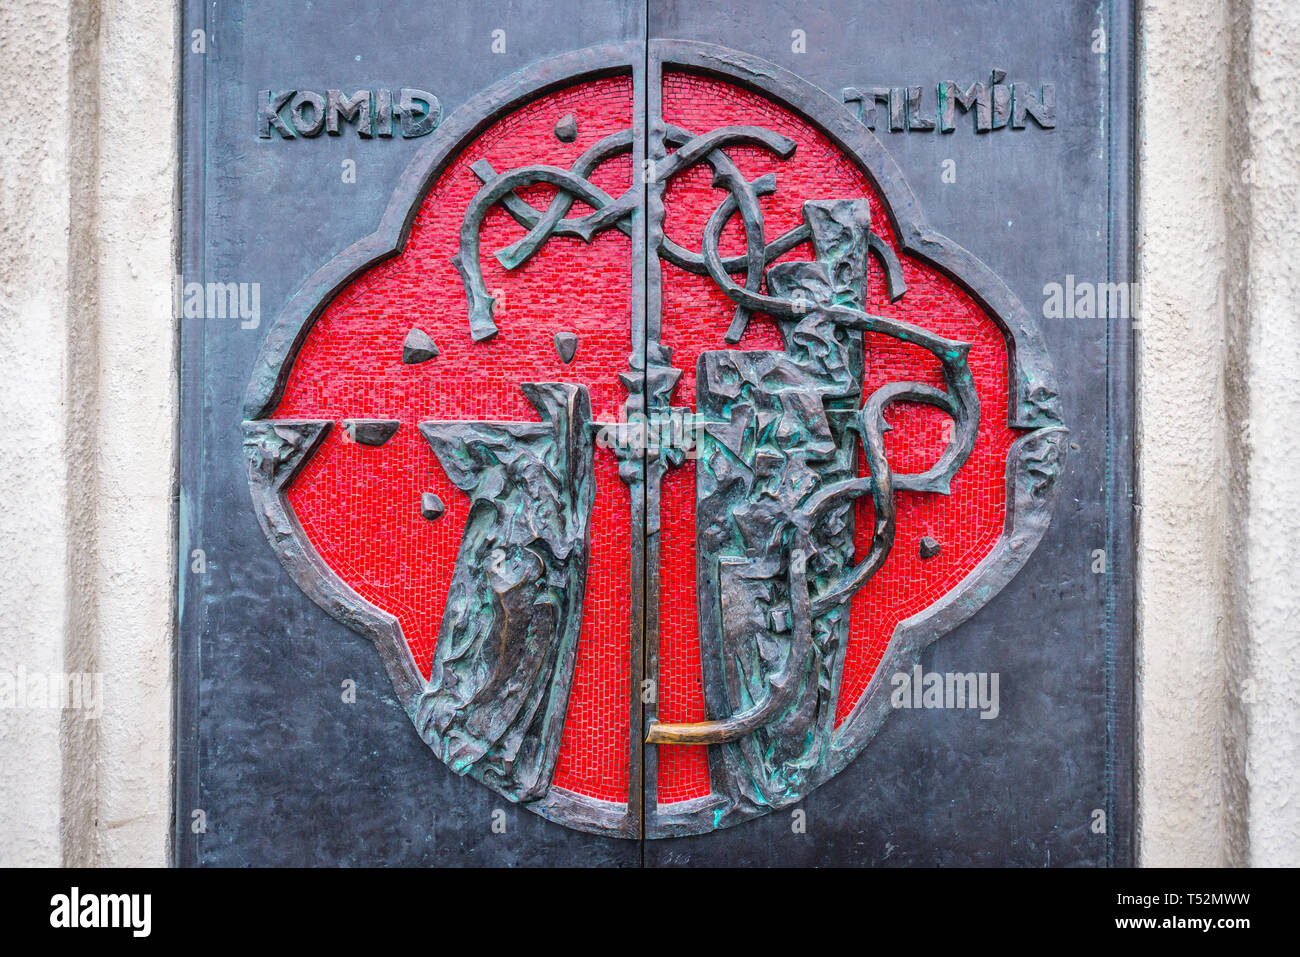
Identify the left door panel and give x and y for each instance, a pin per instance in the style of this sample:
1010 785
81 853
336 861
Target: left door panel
331 367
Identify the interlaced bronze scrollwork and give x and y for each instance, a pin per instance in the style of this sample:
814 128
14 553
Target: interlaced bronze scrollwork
799 485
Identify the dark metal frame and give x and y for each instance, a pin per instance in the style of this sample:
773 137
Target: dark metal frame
1033 464
1121 707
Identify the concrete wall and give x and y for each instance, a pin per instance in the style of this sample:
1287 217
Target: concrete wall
35 206
1219 519
87 369
1266 298
1185 757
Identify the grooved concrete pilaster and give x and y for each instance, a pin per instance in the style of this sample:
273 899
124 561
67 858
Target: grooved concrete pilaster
1219 600
1182 444
87 344
1270 301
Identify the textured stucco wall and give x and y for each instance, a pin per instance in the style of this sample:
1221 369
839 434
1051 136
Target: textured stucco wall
87 369
136 427
1219 598
1182 446
1269 297
87 342
34 268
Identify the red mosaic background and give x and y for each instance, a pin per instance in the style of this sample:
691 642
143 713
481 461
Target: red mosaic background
360 506
967 523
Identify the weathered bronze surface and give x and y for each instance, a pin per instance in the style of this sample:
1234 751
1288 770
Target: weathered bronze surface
777 470
495 704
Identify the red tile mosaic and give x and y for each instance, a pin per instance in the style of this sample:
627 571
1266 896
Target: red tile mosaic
360 506
695 315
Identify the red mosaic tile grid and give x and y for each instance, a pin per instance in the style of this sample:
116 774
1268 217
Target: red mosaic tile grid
593 752
360 506
683 769
967 523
